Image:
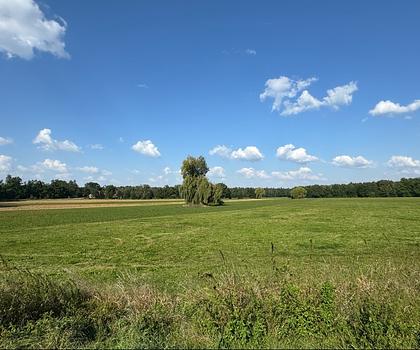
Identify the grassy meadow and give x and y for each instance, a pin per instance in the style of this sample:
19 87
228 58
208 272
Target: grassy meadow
252 273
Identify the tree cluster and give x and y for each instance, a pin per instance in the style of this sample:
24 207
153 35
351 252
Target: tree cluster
196 188
383 188
298 192
13 188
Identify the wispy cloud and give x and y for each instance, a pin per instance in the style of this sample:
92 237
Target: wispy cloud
96 146
284 92
5 141
5 163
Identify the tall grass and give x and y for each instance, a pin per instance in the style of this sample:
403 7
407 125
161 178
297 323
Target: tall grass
229 310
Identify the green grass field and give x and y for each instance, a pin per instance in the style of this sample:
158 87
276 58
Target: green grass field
369 243
172 244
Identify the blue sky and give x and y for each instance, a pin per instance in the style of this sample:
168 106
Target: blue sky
273 93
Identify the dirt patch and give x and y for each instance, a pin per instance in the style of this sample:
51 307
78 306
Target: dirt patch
80 203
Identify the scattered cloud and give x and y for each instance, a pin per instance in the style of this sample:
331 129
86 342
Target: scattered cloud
251 153
217 172
167 170
405 165
5 163
142 86
22 168
147 148
403 162
251 173
54 165
5 141
121 139
46 142
239 51
346 161
62 176
284 90
99 179
96 146
221 150
303 173
389 108
159 180
298 155
24 29
88 169
106 173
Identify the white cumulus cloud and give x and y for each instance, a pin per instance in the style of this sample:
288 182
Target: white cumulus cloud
54 165
251 153
248 153
5 141
221 150
390 108
303 173
5 163
24 29
216 172
250 52
351 162
251 173
403 162
298 155
46 142
147 148
284 90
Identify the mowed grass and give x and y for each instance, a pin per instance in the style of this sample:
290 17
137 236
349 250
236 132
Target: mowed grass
273 273
172 246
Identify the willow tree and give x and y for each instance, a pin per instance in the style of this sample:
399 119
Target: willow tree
196 188
298 193
259 192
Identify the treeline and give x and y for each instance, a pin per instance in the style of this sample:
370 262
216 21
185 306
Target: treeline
383 188
13 188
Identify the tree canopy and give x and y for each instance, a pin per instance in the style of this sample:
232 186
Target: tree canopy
196 188
298 192
259 192
194 167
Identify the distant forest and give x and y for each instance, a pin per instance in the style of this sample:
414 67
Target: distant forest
13 188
